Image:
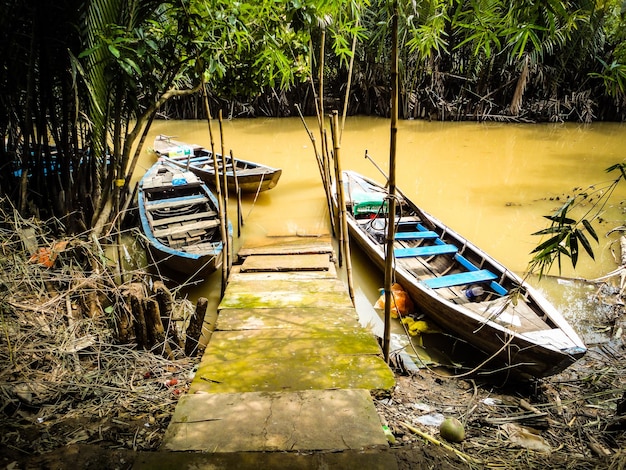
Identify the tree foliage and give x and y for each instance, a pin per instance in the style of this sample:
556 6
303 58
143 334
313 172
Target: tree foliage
83 81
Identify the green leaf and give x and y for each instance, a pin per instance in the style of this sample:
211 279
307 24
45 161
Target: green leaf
548 231
133 65
572 241
590 229
618 166
561 219
114 50
551 244
585 243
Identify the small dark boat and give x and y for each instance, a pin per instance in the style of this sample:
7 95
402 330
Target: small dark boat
461 287
252 177
179 217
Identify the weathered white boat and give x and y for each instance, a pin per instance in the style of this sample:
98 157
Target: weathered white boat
461 287
251 177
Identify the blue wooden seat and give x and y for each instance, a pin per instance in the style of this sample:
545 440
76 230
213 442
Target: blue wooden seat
467 264
458 279
416 235
425 251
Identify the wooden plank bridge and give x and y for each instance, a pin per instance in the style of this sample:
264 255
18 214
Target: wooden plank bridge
286 376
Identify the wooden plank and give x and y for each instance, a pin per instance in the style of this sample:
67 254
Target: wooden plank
416 235
233 319
277 293
184 218
459 279
295 248
184 228
260 263
467 264
201 248
425 251
176 202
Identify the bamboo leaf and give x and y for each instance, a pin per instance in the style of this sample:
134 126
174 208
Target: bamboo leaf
590 229
561 219
572 242
114 50
550 244
585 243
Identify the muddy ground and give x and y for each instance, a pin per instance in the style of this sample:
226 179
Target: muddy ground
72 397
567 421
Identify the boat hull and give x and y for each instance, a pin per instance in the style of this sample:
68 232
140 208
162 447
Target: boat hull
249 177
180 220
542 350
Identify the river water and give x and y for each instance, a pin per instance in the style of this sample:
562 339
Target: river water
491 182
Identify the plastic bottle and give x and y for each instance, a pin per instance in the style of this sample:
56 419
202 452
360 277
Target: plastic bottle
473 292
389 435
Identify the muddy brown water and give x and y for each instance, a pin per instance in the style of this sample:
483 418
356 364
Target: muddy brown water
491 182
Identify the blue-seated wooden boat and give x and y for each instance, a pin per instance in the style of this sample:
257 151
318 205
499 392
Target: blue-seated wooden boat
251 177
179 217
459 286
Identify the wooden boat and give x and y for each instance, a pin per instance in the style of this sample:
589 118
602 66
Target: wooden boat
459 286
252 177
179 217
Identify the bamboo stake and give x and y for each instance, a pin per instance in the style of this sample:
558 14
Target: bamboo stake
238 192
324 141
320 167
425 219
392 183
348 86
321 89
227 244
341 203
220 200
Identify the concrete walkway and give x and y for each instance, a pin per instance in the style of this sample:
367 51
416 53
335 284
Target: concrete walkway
286 376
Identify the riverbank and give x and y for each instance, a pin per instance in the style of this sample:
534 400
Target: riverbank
567 421
72 393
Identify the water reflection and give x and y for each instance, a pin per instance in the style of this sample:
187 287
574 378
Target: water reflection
490 182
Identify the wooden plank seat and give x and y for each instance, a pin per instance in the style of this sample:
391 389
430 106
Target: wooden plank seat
458 279
184 228
467 264
201 248
176 202
184 158
420 235
425 251
184 218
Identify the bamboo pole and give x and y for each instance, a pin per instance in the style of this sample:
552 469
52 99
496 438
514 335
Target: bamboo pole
348 86
227 242
320 166
340 209
218 190
392 182
327 179
341 203
423 217
238 192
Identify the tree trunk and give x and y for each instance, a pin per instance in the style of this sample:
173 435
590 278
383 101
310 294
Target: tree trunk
194 330
156 332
